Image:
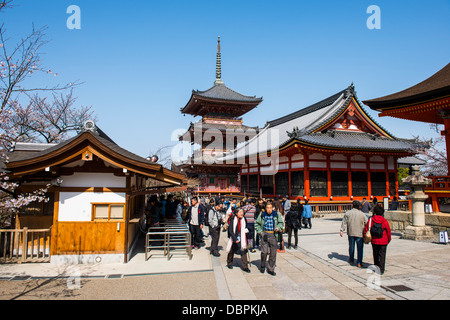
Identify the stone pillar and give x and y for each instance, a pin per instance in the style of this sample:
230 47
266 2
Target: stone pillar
418 230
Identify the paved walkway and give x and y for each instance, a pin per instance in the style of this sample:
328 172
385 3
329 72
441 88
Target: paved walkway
318 269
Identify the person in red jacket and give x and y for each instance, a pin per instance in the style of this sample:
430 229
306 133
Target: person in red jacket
379 244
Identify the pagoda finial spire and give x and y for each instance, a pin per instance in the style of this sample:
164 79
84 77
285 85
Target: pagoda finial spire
218 64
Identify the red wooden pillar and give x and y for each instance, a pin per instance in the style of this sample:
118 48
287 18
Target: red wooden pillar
396 176
274 182
289 175
446 133
306 175
259 177
369 180
328 176
349 170
386 165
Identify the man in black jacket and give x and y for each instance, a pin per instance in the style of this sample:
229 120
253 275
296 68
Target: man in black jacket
292 221
196 219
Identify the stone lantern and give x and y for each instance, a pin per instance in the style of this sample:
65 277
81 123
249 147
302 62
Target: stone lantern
418 230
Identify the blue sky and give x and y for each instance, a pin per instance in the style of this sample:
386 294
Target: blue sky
140 60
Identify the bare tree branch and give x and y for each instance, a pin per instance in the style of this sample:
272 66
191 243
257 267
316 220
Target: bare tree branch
31 114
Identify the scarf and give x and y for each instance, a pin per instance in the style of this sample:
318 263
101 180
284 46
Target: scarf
243 226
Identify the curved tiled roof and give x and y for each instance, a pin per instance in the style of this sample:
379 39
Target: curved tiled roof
439 83
355 140
232 103
221 92
98 138
303 126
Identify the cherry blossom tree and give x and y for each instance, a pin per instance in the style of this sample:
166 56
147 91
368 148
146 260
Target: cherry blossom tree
435 156
45 114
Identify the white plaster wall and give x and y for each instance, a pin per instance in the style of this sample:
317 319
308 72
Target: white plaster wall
317 164
297 157
358 165
96 180
377 166
76 206
338 165
296 165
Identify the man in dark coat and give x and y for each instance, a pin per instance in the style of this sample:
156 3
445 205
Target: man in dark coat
196 220
292 221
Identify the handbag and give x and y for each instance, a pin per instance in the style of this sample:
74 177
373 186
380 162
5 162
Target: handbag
368 236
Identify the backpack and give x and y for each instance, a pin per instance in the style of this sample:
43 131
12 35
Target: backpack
377 230
207 209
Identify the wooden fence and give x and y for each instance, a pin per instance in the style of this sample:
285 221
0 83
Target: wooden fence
25 245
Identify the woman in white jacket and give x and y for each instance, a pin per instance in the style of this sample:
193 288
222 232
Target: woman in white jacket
237 242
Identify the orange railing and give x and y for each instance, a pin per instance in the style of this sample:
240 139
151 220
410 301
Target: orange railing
439 183
218 189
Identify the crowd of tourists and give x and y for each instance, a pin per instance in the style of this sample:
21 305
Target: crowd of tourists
252 224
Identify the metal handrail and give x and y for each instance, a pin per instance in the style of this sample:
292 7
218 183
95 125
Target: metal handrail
175 236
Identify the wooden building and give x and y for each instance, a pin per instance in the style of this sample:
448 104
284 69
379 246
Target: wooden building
330 151
218 132
97 194
429 102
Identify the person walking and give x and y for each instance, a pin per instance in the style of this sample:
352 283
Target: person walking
237 240
307 214
260 207
354 222
153 212
365 207
394 205
195 218
268 223
215 222
178 209
300 212
249 213
381 237
286 203
278 207
292 222
229 212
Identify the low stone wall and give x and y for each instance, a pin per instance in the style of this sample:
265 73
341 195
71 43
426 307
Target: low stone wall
399 220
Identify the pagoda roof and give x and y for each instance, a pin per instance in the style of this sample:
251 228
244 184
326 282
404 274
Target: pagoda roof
312 127
220 126
436 86
221 92
236 103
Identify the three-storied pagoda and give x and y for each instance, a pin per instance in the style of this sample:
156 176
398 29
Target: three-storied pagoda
220 130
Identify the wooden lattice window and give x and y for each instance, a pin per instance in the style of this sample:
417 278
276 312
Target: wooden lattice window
108 211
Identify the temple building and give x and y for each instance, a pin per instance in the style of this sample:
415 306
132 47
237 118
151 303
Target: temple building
219 131
330 151
429 102
96 192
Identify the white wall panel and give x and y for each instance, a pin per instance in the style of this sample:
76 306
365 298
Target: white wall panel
76 206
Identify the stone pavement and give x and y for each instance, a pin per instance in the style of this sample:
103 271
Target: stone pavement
317 270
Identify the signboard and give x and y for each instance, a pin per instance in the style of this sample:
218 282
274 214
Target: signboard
386 203
443 237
